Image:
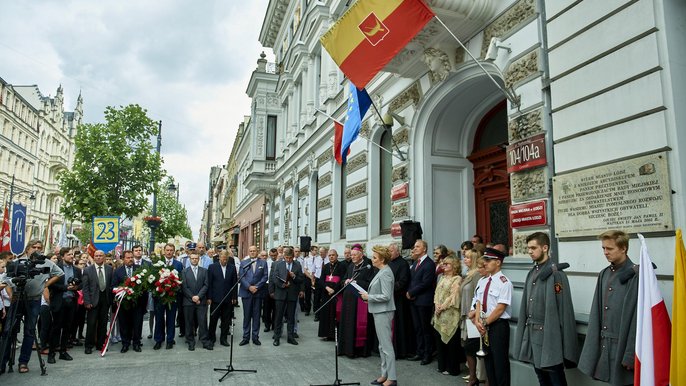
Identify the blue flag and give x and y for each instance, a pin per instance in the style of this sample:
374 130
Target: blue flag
358 104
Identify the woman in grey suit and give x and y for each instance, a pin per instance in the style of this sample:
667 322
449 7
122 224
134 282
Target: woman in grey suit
382 307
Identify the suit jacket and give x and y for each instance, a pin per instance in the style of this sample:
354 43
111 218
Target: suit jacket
423 282
194 287
381 292
250 278
58 289
279 275
218 285
90 288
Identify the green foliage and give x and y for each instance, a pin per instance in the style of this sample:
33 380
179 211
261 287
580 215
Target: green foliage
84 233
173 214
115 167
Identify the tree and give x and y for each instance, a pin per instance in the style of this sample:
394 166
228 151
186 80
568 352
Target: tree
115 166
174 216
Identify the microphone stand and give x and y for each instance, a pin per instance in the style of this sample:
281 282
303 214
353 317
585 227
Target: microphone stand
229 368
338 381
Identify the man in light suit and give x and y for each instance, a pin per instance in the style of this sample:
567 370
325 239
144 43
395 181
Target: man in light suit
194 287
165 315
97 298
421 296
253 276
286 285
221 277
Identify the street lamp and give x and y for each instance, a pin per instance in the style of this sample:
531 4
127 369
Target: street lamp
154 221
32 194
174 188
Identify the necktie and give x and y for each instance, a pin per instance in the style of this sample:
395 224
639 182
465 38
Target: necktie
224 272
195 272
101 278
416 267
289 267
485 303
128 271
254 264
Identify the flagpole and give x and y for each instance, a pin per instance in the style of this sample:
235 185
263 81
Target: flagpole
368 140
509 95
390 132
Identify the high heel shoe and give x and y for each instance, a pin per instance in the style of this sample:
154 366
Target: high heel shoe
376 382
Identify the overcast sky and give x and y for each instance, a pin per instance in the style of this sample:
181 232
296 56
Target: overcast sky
187 62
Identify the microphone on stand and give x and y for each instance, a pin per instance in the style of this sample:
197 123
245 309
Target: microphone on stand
362 268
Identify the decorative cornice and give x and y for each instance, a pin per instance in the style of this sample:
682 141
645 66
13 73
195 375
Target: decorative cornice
324 226
303 173
325 157
356 220
400 211
356 191
402 136
324 180
288 185
324 203
364 129
522 69
303 192
508 22
525 125
356 162
410 96
529 184
399 173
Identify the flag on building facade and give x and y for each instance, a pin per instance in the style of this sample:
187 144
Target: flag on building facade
5 232
337 141
653 328
678 358
48 234
63 242
358 104
371 33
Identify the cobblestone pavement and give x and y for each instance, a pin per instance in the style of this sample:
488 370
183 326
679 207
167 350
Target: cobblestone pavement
311 362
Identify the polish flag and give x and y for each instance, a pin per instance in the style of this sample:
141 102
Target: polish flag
653 329
5 232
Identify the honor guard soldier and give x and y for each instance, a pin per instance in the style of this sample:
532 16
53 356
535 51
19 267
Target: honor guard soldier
493 308
546 328
609 349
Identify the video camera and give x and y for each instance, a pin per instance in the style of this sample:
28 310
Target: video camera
75 281
20 270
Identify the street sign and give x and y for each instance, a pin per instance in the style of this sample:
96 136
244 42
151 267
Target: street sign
105 232
18 229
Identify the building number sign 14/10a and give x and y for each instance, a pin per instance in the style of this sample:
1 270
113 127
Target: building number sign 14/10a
105 233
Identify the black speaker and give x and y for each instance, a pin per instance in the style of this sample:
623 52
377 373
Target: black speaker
305 244
411 232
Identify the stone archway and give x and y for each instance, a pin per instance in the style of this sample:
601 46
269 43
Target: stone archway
446 123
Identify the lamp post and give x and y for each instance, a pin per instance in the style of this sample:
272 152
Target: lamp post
174 188
154 221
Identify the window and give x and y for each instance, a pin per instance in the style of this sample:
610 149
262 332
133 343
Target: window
385 182
271 137
257 234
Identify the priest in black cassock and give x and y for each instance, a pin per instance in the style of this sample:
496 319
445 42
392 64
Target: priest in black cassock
403 331
356 328
332 275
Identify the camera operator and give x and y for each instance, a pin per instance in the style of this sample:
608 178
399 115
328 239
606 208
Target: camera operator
63 298
29 304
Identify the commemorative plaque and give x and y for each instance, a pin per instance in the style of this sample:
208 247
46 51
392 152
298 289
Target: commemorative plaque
632 195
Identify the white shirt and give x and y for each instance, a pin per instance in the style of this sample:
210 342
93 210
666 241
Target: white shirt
317 264
500 291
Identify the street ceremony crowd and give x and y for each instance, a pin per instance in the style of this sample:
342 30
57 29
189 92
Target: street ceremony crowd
453 308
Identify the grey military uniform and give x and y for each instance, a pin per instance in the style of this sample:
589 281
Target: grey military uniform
611 336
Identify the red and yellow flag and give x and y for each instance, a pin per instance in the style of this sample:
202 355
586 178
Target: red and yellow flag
371 33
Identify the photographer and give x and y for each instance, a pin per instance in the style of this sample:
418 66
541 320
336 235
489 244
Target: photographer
63 298
35 280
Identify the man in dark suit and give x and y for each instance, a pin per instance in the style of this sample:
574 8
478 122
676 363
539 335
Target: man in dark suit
97 298
63 299
253 274
165 315
194 287
421 296
142 304
221 277
286 285
129 309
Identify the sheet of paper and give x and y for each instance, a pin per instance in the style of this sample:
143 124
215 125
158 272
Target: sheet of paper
357 287
472 331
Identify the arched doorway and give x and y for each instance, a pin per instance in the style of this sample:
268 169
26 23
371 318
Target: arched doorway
447 123
491 180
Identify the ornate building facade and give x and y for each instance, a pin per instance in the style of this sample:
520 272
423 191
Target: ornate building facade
566 122
37 141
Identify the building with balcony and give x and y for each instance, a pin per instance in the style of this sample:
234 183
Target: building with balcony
565 120
37 141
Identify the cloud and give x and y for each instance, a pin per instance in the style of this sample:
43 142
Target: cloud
188 65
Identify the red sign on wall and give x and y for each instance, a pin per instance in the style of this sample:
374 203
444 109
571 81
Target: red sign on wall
400 191
526 154
528 215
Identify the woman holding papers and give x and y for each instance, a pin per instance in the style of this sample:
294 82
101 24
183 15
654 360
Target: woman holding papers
382 307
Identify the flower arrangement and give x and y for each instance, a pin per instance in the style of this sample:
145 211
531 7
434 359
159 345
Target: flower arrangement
133 287
165 283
